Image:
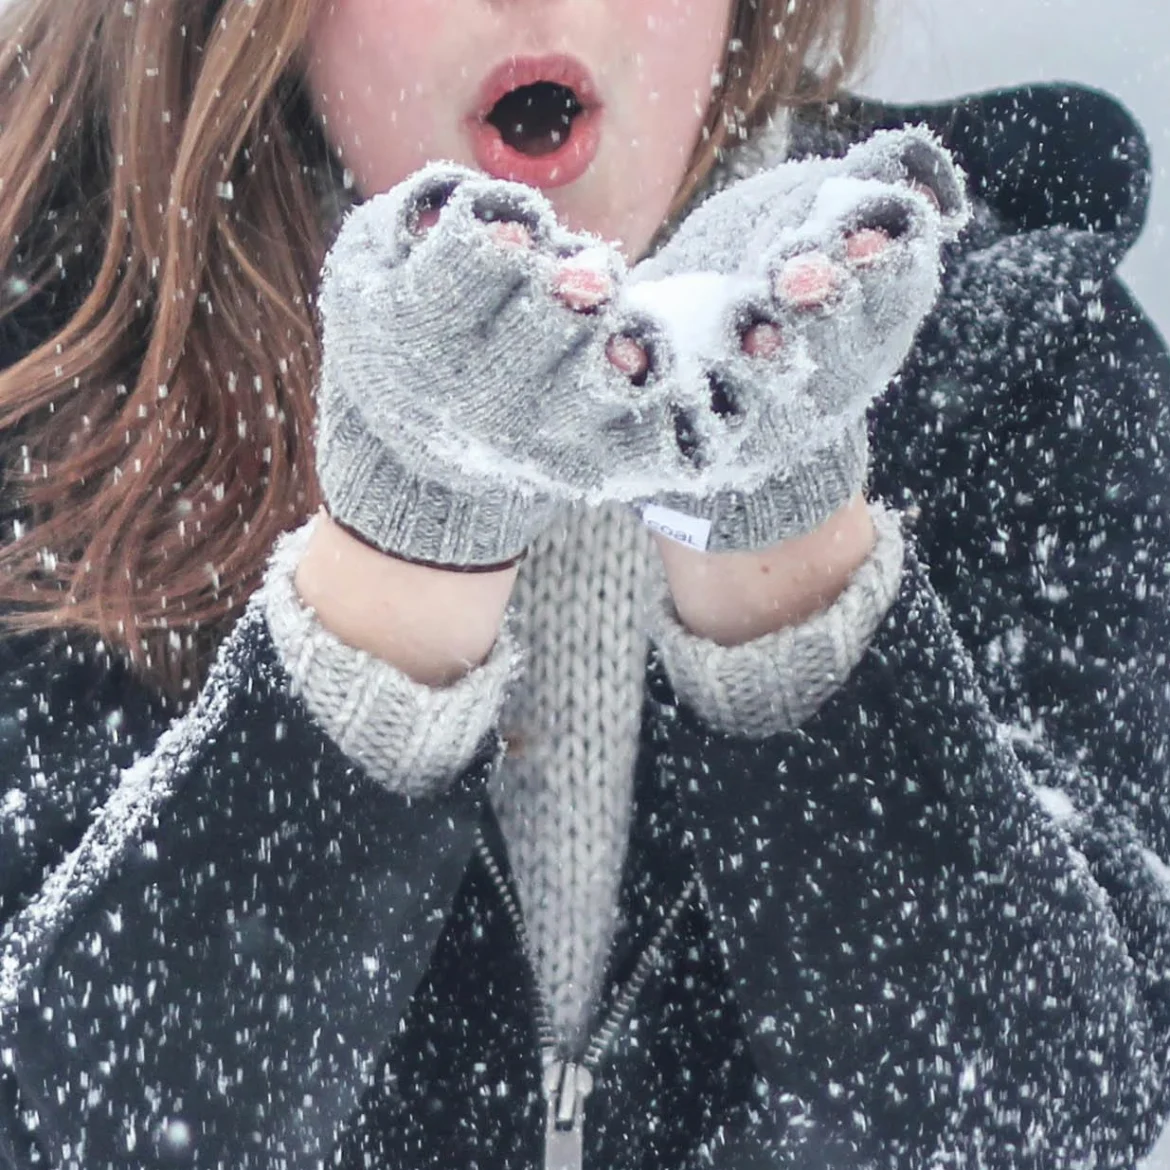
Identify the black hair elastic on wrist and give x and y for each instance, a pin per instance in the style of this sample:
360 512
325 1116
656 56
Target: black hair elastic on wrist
498 567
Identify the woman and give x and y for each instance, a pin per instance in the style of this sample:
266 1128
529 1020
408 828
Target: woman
870 877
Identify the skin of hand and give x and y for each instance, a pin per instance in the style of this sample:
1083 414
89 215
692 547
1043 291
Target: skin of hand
654 62
733 598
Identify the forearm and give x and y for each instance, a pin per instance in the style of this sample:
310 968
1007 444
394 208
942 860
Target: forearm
434 626
405 668
733 598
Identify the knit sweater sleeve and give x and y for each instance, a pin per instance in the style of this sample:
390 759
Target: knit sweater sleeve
409 737
777 682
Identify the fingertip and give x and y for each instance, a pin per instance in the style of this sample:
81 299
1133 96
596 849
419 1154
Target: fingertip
807 281
928 193
425 219
866 246
511 234
628 356
762 340
582 289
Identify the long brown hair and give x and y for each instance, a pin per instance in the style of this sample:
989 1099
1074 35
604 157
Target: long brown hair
160 234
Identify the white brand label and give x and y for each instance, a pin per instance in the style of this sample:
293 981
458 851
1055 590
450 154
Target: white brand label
676 526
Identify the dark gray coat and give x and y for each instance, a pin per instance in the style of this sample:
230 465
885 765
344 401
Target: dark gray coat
934 922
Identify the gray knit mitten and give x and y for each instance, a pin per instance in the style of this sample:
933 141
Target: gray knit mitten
461 400
776 314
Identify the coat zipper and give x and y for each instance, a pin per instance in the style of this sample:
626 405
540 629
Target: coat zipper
568 1082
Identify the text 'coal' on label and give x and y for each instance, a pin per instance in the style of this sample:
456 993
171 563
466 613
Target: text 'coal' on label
677 526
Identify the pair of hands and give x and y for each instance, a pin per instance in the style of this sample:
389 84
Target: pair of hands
482 366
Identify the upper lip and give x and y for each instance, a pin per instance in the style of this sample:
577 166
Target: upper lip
520 71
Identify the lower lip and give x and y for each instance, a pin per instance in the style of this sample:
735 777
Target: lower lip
546 171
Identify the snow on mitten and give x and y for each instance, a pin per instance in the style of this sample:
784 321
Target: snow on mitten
777 313
464 379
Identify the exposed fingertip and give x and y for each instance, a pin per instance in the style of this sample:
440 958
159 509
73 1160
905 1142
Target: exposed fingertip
582 288
928 193
867 245
762 340
511 234
807 281
628 356
425 219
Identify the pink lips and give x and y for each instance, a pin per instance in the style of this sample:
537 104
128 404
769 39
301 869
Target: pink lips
494 156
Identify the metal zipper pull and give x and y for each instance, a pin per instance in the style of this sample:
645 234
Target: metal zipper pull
566 1085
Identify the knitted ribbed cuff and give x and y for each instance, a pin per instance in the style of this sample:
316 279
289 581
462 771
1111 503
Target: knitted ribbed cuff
402 511
779 681
786 505
409 737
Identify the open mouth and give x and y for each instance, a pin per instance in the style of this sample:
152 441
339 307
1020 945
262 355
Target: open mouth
538 121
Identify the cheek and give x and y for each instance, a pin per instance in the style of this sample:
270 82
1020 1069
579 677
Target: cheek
673 54
355 45
350 32
679 43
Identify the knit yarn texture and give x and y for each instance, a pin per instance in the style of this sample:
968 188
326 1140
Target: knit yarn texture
589 592
565 685
563 794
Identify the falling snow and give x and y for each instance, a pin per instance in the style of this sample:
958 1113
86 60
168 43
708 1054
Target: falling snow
884 885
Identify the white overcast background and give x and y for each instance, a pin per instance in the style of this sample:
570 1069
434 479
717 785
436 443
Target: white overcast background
943 48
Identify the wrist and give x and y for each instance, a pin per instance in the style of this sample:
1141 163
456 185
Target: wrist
735 597
433 624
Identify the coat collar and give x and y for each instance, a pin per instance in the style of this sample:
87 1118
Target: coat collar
1038 156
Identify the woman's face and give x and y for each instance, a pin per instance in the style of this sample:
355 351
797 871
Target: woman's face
598 102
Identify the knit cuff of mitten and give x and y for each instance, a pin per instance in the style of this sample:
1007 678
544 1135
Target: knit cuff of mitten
783 506
779 681
403 511
411 738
